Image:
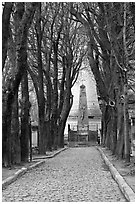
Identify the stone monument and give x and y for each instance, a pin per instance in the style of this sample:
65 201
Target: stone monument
83 124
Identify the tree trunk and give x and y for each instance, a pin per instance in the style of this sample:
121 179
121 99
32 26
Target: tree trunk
126 127
54 118
54 130
49 139
41 129
41 110
120 137
125 104
64 115
114 132
5 29
25 132
41 97
49 136
6 131
15 137
55 114
12 87
13 82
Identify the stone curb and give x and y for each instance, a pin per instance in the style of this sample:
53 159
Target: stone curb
51 156
124 187
23 170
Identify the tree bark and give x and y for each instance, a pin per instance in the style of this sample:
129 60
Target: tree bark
15 136
25 131
49 138
6 131
125 105
54 118
5 29
68 102
126 127
41 97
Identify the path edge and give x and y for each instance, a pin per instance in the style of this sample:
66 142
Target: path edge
23 170
124 187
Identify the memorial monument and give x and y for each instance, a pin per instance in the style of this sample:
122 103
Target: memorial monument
83 124
84 121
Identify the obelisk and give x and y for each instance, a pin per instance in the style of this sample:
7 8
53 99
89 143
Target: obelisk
83 125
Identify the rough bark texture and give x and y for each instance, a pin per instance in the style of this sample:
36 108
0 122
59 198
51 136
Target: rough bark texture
25 106
5 29
49 137
6 131
15 136
54 118
64 115
41 97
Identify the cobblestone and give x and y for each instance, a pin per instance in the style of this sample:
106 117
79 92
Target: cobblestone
75 175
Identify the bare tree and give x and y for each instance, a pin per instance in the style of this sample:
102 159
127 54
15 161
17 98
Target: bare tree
12 81
106 27
73 52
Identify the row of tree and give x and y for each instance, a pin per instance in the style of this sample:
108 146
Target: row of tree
47 43
110 28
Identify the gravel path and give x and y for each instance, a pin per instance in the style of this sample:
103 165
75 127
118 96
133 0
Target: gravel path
75 175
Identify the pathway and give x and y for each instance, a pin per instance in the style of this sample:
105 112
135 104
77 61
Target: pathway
75 175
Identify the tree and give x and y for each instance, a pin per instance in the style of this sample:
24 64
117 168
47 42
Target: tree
37 60
73 54
105 25
41 101
12 82
62 52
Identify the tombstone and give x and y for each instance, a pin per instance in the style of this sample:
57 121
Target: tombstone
83 123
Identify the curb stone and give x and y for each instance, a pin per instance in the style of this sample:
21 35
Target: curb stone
124 187
51 156
23 170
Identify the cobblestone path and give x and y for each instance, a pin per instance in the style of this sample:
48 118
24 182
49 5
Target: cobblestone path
77 174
